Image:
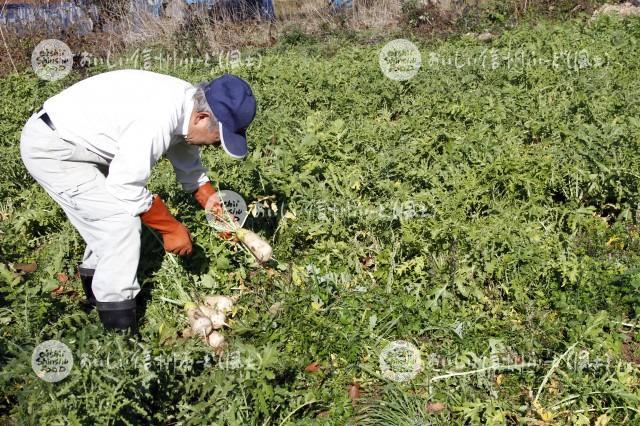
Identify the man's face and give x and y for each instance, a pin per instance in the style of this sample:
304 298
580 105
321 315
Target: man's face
200 132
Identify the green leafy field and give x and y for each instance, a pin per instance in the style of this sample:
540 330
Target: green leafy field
484 211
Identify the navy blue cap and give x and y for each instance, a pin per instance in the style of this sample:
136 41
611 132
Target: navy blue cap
234 105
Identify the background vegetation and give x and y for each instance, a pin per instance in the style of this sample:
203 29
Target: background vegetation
486 213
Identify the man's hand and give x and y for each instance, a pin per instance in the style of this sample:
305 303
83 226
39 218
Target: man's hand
210 200
178 241
175 236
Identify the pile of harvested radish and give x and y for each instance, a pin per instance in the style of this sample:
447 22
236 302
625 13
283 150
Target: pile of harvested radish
209 317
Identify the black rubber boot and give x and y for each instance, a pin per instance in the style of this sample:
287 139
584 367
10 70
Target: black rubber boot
86 276
118 315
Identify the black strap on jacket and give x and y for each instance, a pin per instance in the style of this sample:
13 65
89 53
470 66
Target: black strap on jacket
47 120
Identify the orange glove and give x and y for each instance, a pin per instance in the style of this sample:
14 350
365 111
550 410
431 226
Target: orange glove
175 236
207 196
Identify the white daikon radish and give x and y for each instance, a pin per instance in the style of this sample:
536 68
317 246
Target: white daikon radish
202 326
259 247
220 303
207 310
200 323
218 320
215 340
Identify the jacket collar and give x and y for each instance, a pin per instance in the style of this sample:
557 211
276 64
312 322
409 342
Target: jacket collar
187 109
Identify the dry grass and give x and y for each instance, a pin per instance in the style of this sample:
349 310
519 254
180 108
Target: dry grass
363 14
218 30
293 9
196 31
309 16
379 14
142 26
200 31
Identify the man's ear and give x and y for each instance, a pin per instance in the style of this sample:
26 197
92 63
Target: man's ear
200 116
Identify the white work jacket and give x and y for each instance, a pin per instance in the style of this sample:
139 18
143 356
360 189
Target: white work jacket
131 118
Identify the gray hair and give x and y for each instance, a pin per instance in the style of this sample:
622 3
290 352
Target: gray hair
200 104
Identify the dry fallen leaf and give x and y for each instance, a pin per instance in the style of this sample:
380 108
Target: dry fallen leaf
275 308
24 267
312 368
271 272
485 37
603 420
354 392
367 262
58 290
435 407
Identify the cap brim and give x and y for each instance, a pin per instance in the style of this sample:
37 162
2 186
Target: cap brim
234 144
